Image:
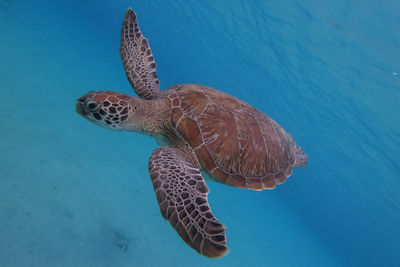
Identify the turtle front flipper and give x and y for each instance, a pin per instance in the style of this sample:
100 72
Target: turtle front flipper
138 59
182 195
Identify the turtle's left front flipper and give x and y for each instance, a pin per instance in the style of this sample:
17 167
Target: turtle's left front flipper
138 59
182 195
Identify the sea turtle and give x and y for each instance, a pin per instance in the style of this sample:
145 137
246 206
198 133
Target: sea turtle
202 132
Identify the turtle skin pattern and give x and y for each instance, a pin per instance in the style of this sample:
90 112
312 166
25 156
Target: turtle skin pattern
137 58
182 195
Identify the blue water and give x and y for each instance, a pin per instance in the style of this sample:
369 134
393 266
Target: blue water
73 194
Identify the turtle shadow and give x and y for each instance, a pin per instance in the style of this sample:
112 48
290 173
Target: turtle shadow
121 241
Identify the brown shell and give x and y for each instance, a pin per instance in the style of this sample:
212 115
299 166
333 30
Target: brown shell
234 142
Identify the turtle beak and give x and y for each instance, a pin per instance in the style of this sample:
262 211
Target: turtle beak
80 109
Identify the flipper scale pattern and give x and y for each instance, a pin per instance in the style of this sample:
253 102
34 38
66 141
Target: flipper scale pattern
182 195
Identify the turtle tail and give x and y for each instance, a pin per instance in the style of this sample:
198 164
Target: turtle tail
301 157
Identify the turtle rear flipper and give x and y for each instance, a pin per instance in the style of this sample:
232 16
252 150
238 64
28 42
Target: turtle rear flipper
182 195
138 59
300 157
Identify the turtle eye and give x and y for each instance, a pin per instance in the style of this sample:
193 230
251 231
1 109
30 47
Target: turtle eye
92 106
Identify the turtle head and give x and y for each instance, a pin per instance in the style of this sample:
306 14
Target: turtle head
108 109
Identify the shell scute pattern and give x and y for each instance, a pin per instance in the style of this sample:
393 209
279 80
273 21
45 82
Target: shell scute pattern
193 103
253 154
234 142
220 137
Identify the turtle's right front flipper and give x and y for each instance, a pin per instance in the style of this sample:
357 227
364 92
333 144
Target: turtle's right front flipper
138 59
182 195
